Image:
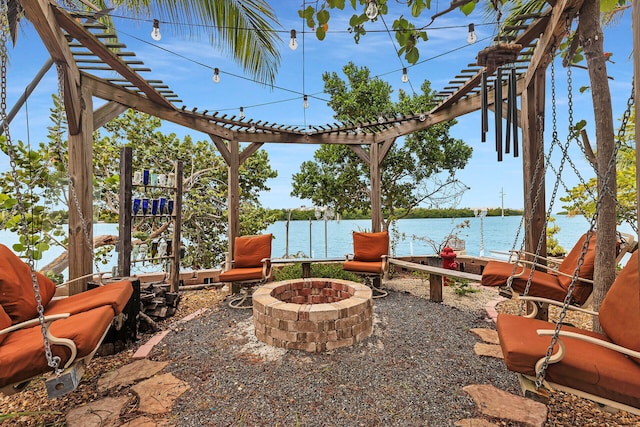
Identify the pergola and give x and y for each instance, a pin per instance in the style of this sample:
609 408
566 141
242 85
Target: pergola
82 48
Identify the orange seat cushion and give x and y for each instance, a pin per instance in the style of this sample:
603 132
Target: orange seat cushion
114 294
5 322
587 367
369 247
543 285
17 295
249 251
363 267
570 262
241 274
22 353
620 311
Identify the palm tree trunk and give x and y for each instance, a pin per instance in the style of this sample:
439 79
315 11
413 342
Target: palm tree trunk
591 39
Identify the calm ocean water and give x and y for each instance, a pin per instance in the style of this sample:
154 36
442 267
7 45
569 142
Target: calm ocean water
498 234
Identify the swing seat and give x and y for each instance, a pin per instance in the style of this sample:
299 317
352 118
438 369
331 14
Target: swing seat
370 259
251 267
553 283
602 367
76 325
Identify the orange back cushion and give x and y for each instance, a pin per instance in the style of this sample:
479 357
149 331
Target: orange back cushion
17 296
248 251
620 310
570 262
5 322
370 247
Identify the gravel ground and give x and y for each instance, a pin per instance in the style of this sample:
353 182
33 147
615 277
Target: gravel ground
409 372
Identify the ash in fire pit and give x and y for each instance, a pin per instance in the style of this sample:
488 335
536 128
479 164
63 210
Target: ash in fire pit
313 314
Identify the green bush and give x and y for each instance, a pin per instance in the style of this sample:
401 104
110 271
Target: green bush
330 271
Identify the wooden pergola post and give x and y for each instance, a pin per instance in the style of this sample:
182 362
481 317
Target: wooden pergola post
81 197
533 98
376 202
233 193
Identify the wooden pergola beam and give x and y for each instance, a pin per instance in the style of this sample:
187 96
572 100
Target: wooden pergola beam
41 15
91 42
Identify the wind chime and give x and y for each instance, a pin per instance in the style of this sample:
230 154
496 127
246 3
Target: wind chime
500 58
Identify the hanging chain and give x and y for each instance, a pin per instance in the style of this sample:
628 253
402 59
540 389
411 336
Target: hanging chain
63 159
610 170
52 361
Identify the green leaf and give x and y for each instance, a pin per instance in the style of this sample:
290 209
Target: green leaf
311 23
583 89
320 33
468 8
580 125
322 17
412 56
607 6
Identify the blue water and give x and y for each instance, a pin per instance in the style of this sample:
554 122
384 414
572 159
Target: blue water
498 234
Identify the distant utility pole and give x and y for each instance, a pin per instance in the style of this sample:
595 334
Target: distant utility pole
502 197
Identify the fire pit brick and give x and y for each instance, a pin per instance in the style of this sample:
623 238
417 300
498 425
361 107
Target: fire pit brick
312 315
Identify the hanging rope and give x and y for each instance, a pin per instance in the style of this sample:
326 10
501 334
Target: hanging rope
52 361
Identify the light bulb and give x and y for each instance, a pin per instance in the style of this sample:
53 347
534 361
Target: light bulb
305 102
471 37
252 128
241 113
380 119
293 43
372 10
155 32
216 75
422 117
405 76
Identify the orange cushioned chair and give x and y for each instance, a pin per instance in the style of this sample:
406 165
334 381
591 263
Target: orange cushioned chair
552 283
76 325
251 266
370 258
601 367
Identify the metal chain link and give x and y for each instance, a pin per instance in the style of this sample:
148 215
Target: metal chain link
52 361
540 375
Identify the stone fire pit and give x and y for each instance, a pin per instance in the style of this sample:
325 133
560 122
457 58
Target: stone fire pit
312 314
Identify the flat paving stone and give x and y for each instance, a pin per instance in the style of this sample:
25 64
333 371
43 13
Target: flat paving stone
474 422
491 350
129 374
487 335
494 402
101 413
158 394
146 422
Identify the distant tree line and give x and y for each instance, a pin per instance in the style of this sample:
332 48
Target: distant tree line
306 214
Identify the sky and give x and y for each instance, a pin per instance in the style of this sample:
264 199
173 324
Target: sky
186 65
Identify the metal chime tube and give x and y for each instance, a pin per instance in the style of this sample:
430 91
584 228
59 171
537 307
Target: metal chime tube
497 106
514 110
485 107
507 133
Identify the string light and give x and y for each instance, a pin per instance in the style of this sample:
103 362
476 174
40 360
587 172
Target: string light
155 32
372 10
216 75
380 119
305 102
471 37
241 113
293 43
405 76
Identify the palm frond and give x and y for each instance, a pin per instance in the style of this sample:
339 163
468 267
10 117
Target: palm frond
243 29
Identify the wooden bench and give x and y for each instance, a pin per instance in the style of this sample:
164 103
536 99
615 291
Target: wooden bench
436 274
